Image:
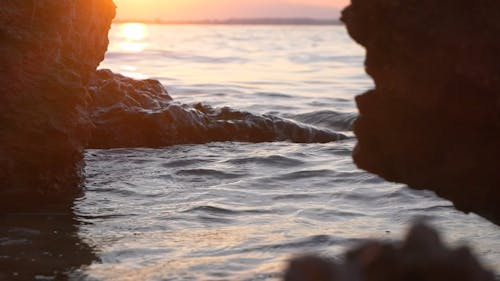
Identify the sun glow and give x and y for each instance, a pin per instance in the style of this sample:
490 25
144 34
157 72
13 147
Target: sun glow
133 37
134 31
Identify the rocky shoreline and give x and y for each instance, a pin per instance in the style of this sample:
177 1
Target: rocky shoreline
54 104
433 120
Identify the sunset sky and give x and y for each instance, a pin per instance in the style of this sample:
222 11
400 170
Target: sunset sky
223 9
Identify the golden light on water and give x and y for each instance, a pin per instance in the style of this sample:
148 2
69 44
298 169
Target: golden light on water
134 31
133 37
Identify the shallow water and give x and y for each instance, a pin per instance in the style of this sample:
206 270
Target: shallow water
235 211
239 211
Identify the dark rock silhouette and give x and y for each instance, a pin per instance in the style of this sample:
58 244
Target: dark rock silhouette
420 257
132 113
433 119
48 53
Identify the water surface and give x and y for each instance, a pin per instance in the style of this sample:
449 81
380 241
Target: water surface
239 211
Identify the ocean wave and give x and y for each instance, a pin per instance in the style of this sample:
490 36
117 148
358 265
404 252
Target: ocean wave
329 119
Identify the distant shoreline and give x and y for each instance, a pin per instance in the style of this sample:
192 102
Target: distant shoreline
250 21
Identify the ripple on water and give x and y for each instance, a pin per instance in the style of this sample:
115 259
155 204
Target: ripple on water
223 211
273 160
210 173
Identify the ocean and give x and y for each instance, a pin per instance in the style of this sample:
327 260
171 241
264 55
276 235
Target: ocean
240 211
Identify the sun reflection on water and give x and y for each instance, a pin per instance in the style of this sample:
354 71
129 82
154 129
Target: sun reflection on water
133 37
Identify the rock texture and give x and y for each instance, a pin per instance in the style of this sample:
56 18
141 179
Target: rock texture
421 257
433 120
48 53
132 113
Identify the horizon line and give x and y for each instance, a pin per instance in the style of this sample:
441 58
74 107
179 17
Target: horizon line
241 21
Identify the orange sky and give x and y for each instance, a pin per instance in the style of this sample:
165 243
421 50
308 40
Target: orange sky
223 9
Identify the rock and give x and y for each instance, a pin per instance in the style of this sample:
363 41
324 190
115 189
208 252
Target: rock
48 53
132 113
421 257
433 119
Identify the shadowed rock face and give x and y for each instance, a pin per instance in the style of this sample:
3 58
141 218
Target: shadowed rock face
433 120
420 257
132 113
48 53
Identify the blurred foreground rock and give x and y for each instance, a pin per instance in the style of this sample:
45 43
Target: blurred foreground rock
433 119
420 257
